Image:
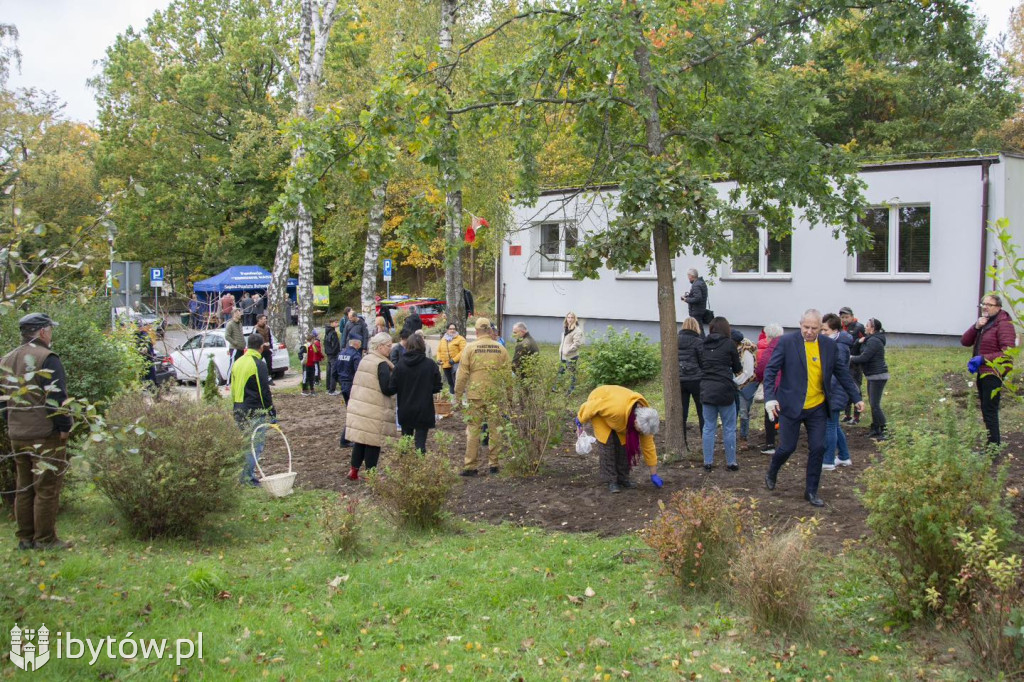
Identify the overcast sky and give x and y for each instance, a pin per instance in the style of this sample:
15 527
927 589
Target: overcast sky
62 41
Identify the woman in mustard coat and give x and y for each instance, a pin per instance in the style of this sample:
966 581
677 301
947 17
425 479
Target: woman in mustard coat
449 353
624 425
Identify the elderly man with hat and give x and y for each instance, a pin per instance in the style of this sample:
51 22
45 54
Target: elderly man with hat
34 386
481 360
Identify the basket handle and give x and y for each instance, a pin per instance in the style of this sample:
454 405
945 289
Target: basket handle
252 446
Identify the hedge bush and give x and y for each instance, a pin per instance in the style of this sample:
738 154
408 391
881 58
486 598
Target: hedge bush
168 466
620 358
928 486
414 488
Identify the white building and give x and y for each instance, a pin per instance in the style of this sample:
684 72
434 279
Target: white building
923 278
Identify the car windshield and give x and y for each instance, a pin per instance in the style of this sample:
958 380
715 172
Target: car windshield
193 343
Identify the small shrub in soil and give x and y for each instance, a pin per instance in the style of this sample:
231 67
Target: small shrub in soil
166 467
990 619
210 392
622 359
699 534
340 520
774 580
534 410
928 486
414 488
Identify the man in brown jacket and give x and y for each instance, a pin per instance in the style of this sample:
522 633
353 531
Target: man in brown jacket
480 361
38 430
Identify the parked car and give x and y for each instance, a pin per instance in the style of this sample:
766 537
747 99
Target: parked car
142 315
192 358
429 309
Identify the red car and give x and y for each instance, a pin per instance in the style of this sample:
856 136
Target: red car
429 309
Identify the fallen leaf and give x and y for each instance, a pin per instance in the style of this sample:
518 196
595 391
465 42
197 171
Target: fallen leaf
526 643
598 642
589 592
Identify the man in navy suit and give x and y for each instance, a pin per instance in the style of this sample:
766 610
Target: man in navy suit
807 361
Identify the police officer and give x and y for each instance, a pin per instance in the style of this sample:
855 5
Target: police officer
38 430
480 361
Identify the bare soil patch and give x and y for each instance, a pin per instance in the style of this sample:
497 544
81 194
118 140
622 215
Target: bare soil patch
568 494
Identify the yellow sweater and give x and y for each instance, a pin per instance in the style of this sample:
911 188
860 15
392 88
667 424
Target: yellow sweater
608 408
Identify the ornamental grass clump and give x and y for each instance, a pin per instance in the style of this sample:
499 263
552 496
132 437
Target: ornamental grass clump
340 520
168 467
699 534
929 485
414 488
774 580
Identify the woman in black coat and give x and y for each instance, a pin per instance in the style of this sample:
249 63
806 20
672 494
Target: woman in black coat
415 380
872 361
691 369
718 392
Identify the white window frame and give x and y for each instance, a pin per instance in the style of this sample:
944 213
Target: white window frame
762 261
561 262
647 272
892 274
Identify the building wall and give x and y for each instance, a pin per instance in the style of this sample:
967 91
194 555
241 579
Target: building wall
928 309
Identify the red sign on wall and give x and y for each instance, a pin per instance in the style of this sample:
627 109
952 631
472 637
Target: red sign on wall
515 250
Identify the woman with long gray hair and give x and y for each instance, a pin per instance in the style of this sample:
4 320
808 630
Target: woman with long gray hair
624 425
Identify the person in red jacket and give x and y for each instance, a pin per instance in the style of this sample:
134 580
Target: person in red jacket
310 354
771 333
990 336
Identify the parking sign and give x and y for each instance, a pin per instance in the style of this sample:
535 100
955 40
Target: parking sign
387 269
156 277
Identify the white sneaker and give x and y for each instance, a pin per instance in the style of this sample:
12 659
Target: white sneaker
828 467
844 462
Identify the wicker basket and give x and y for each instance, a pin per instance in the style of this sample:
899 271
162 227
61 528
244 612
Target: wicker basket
276 485
442 408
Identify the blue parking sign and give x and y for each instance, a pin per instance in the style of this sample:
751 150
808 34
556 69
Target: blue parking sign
156 277
387 269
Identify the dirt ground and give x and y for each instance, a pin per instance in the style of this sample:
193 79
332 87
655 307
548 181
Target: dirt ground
568 495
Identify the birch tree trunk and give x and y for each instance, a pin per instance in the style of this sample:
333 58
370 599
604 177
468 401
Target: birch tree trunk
663 267
449 176
314 31
373 231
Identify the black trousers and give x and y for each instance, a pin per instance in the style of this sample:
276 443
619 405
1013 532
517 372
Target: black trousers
769 431
419 435
691 389
308 377
365 454
789 432
875 389
449 375
990 405
857 372
332 381
613 460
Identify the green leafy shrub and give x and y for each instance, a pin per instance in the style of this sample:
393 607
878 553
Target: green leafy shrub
414 488
99 364
928 485
622 359
167 467
774 580
698 535
210 392
534 409
990 619
340 520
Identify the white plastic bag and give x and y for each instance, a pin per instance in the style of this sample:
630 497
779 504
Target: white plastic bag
585 443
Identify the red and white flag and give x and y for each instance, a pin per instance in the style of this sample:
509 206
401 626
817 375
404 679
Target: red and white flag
475 225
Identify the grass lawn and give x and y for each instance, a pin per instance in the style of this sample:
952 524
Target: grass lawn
476 602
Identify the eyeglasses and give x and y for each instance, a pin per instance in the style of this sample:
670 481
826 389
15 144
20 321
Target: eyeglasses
988 305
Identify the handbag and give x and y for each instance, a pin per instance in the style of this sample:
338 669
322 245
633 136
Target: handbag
709 315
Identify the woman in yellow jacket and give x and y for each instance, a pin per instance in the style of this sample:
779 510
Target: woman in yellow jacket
624 425
449 353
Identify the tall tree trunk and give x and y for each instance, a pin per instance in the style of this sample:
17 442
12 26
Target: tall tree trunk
663 267
449 177
370 259
310 68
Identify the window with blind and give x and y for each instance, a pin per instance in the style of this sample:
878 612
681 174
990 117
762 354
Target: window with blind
900 241
760 253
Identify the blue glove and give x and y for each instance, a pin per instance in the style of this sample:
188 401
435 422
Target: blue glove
579 425
975 363
656 480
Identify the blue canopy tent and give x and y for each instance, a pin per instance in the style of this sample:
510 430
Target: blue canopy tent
239 278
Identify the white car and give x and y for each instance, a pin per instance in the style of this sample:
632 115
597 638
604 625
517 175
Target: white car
192 358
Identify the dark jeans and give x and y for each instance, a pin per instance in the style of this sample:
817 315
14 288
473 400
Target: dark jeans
688 389
308 378
268 357
989 405
332 381
875 389
613 461
789 432
419 435
365 454
769 431
38 491
857 372
449 375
